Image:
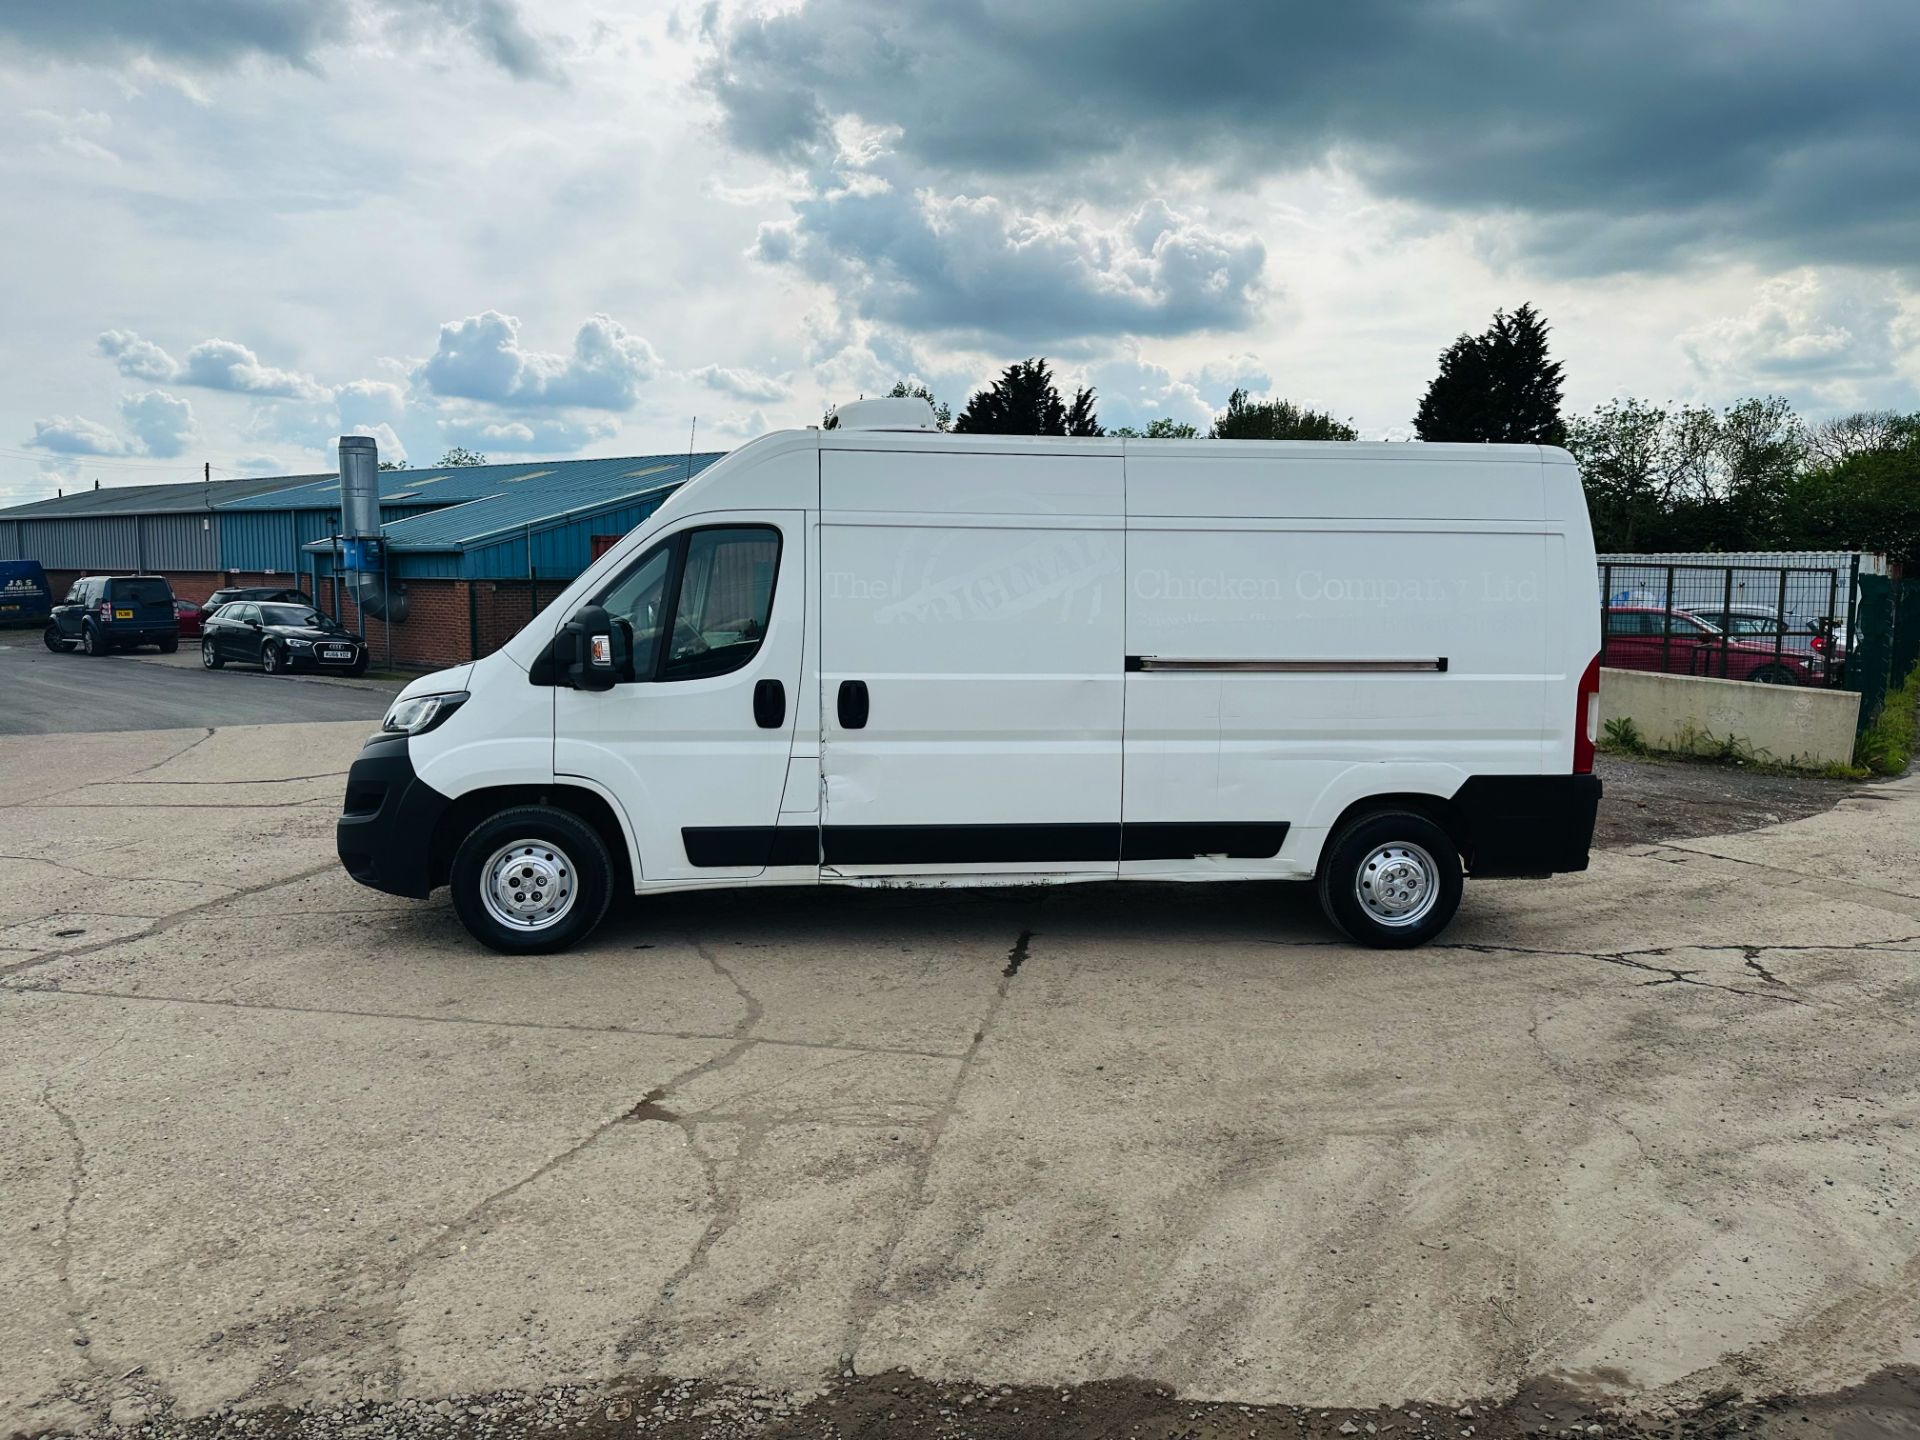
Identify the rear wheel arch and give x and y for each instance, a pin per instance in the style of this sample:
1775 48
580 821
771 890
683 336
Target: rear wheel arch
474 807
1437 808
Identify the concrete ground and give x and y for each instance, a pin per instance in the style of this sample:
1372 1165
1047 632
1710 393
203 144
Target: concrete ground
267 1137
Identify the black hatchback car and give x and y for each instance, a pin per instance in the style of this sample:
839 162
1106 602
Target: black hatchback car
279 638
227 594
104 613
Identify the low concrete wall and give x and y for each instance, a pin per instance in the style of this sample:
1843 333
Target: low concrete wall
1792 724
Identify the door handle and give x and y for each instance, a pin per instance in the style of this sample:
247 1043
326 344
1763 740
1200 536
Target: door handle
769 704
853 705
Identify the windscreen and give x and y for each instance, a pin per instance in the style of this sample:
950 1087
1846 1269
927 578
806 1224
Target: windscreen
300 616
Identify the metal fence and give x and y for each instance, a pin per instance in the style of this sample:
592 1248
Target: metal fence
1772 624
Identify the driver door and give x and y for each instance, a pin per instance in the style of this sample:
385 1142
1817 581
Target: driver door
692 742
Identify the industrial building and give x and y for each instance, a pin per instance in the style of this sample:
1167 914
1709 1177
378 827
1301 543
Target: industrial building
471 553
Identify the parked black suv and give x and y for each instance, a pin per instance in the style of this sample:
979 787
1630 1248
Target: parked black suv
257 593
104 613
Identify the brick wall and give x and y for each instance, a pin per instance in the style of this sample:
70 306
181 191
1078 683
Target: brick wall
193 585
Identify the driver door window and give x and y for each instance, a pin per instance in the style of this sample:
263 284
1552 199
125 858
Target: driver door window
715 584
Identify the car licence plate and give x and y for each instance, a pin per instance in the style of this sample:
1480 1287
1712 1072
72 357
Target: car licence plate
336 652
123 614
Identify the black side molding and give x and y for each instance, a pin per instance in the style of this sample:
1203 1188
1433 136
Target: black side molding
1093 844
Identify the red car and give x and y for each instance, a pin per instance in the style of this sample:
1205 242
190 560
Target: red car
188 614
1637 637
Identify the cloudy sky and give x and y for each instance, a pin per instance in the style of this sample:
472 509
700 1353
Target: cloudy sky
239 228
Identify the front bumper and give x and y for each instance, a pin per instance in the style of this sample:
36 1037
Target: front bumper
385 831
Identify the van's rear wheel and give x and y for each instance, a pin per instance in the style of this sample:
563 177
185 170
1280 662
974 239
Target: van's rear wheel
531 880
1390 879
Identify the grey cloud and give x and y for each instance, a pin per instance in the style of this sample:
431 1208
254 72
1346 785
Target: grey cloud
220 34
1618 136
978 266
746 384
1825 340
481 358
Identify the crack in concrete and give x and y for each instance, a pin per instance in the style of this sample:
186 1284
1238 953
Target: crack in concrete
1670 975
161 926
205 736
868 1302
98 875
276 780
63 1249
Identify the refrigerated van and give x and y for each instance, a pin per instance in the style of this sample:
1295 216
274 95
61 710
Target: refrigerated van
883 655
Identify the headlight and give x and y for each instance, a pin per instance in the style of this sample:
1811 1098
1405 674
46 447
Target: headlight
421 713
297 643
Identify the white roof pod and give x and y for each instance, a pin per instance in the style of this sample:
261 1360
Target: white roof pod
892 412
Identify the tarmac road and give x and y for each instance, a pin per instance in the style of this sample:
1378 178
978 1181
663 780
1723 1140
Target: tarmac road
1649 1134
42 693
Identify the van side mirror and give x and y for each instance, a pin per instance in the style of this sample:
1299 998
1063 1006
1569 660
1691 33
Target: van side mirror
593 650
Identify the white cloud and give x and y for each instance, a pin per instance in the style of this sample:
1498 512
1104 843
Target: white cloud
743 383
481 358
75 435
136 358
161 423
229 365
1825 337
386 442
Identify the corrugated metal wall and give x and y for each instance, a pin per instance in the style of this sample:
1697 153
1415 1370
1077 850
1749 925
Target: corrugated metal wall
560 552
178 542
10 540
92 543
260 541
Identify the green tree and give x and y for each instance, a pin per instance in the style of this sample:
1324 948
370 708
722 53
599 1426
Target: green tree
460 455
1163 429
394 465
1248 419
1868 499
902 390
1497 386
1023 401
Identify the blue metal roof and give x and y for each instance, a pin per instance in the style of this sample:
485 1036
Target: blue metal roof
546 496
519 484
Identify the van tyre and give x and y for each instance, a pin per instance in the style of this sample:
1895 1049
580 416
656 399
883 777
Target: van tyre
531 880
1390 879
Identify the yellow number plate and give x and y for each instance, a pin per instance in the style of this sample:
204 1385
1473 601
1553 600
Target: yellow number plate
123 614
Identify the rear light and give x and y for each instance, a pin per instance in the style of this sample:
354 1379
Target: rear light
1586 718
106 609
1819 642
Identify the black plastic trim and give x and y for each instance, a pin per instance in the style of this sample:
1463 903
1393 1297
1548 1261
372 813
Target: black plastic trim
1528 824
385 832
1187 840
733 846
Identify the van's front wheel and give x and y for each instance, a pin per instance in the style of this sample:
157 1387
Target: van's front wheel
1390 879
531 880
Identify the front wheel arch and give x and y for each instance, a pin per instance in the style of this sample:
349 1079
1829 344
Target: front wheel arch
476 806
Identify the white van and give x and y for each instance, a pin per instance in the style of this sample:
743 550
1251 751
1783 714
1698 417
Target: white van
882 655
